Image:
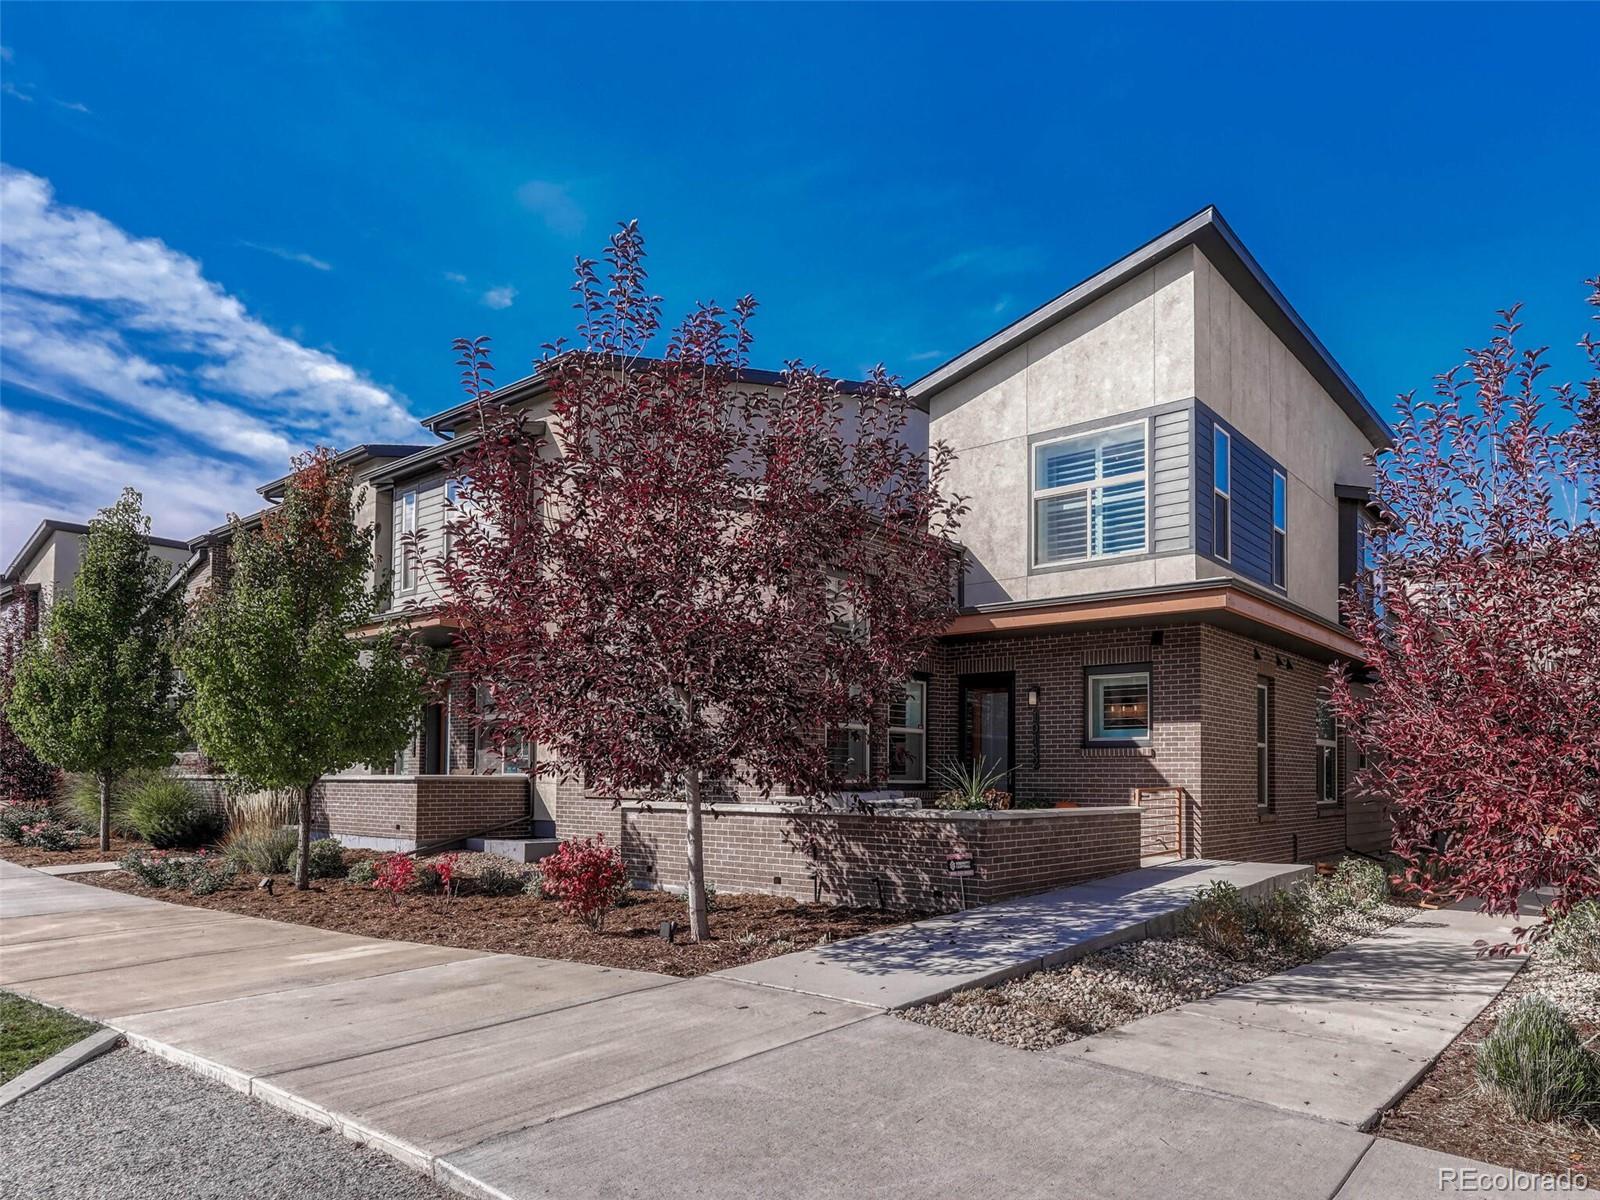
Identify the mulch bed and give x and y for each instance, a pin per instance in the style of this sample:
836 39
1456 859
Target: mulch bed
1449 1112
743 928
89 852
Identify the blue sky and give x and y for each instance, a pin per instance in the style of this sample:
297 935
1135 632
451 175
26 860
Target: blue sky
232 230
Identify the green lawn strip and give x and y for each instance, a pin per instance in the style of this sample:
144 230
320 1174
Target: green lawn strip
31 1033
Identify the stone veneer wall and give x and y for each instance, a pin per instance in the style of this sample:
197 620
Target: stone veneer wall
897 859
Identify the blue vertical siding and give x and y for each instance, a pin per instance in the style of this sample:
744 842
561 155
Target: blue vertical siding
1252 498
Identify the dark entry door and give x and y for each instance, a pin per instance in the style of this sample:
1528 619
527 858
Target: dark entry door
433 735
986 734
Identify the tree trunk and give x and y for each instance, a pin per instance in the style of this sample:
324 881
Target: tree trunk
699 926
302 866
105 811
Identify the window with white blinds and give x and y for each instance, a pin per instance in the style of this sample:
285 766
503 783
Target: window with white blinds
1090 495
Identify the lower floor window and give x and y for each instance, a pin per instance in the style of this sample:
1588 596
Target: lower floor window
1327 754
1264 743
1119 704
849 759
908 734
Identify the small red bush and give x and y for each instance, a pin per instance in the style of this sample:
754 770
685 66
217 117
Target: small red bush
394 874
444 868
587 877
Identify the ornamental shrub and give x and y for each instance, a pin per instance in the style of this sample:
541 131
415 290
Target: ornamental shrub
494 880
1575 937
362 872
394 873
587 877
1535 1059
264 851
169 814
83 802
435 878
325 861
1284 920
52 835
1221 920
1364 882
15 817
199 874
711 896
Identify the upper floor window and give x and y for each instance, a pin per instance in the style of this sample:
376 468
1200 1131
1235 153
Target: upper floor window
408 542
452 510
1089 495
1280 528
908 732
1221 493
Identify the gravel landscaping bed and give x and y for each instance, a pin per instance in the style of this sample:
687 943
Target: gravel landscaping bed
1126 982
744 928
1448 1110
128 1126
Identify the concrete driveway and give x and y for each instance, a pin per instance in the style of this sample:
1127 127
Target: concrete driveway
517 1077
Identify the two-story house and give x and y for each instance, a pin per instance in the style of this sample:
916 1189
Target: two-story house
47 564
1168 476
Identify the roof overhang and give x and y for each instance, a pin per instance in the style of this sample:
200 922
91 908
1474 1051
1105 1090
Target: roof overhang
49 527
429 624
1213 236
1220 602
532 386
354 457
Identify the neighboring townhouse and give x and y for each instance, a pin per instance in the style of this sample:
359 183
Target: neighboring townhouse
48 562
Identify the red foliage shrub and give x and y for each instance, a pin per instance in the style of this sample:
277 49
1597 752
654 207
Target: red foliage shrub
394 874
587 877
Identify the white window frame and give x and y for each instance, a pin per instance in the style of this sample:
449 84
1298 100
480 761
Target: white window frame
920 731
1280 529
1263 742
408 527
1221 451
866 752
1096 685
1327 748
1088 487
451 512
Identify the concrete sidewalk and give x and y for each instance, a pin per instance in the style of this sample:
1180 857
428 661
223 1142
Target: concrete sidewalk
515 1077
928 960
1341 1038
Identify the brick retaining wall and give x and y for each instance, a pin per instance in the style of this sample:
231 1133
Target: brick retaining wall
849 857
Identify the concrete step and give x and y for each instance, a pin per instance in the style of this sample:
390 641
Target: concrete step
517 849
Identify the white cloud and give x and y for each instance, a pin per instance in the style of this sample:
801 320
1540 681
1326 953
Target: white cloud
924 355
5 53
160 379
75 105
12 89
455 277
500 297
294 256
554 205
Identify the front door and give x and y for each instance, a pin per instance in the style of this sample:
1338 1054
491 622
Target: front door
986 723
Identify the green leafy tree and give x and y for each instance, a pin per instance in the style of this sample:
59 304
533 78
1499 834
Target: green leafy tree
96 691
282 695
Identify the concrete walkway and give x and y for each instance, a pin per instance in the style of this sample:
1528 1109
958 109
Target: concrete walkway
1341 1038
506 1076
928 960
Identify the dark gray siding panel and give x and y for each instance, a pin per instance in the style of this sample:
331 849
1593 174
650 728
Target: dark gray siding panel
1171 492
1252 498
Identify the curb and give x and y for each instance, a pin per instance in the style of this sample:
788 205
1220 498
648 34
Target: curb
58 1064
